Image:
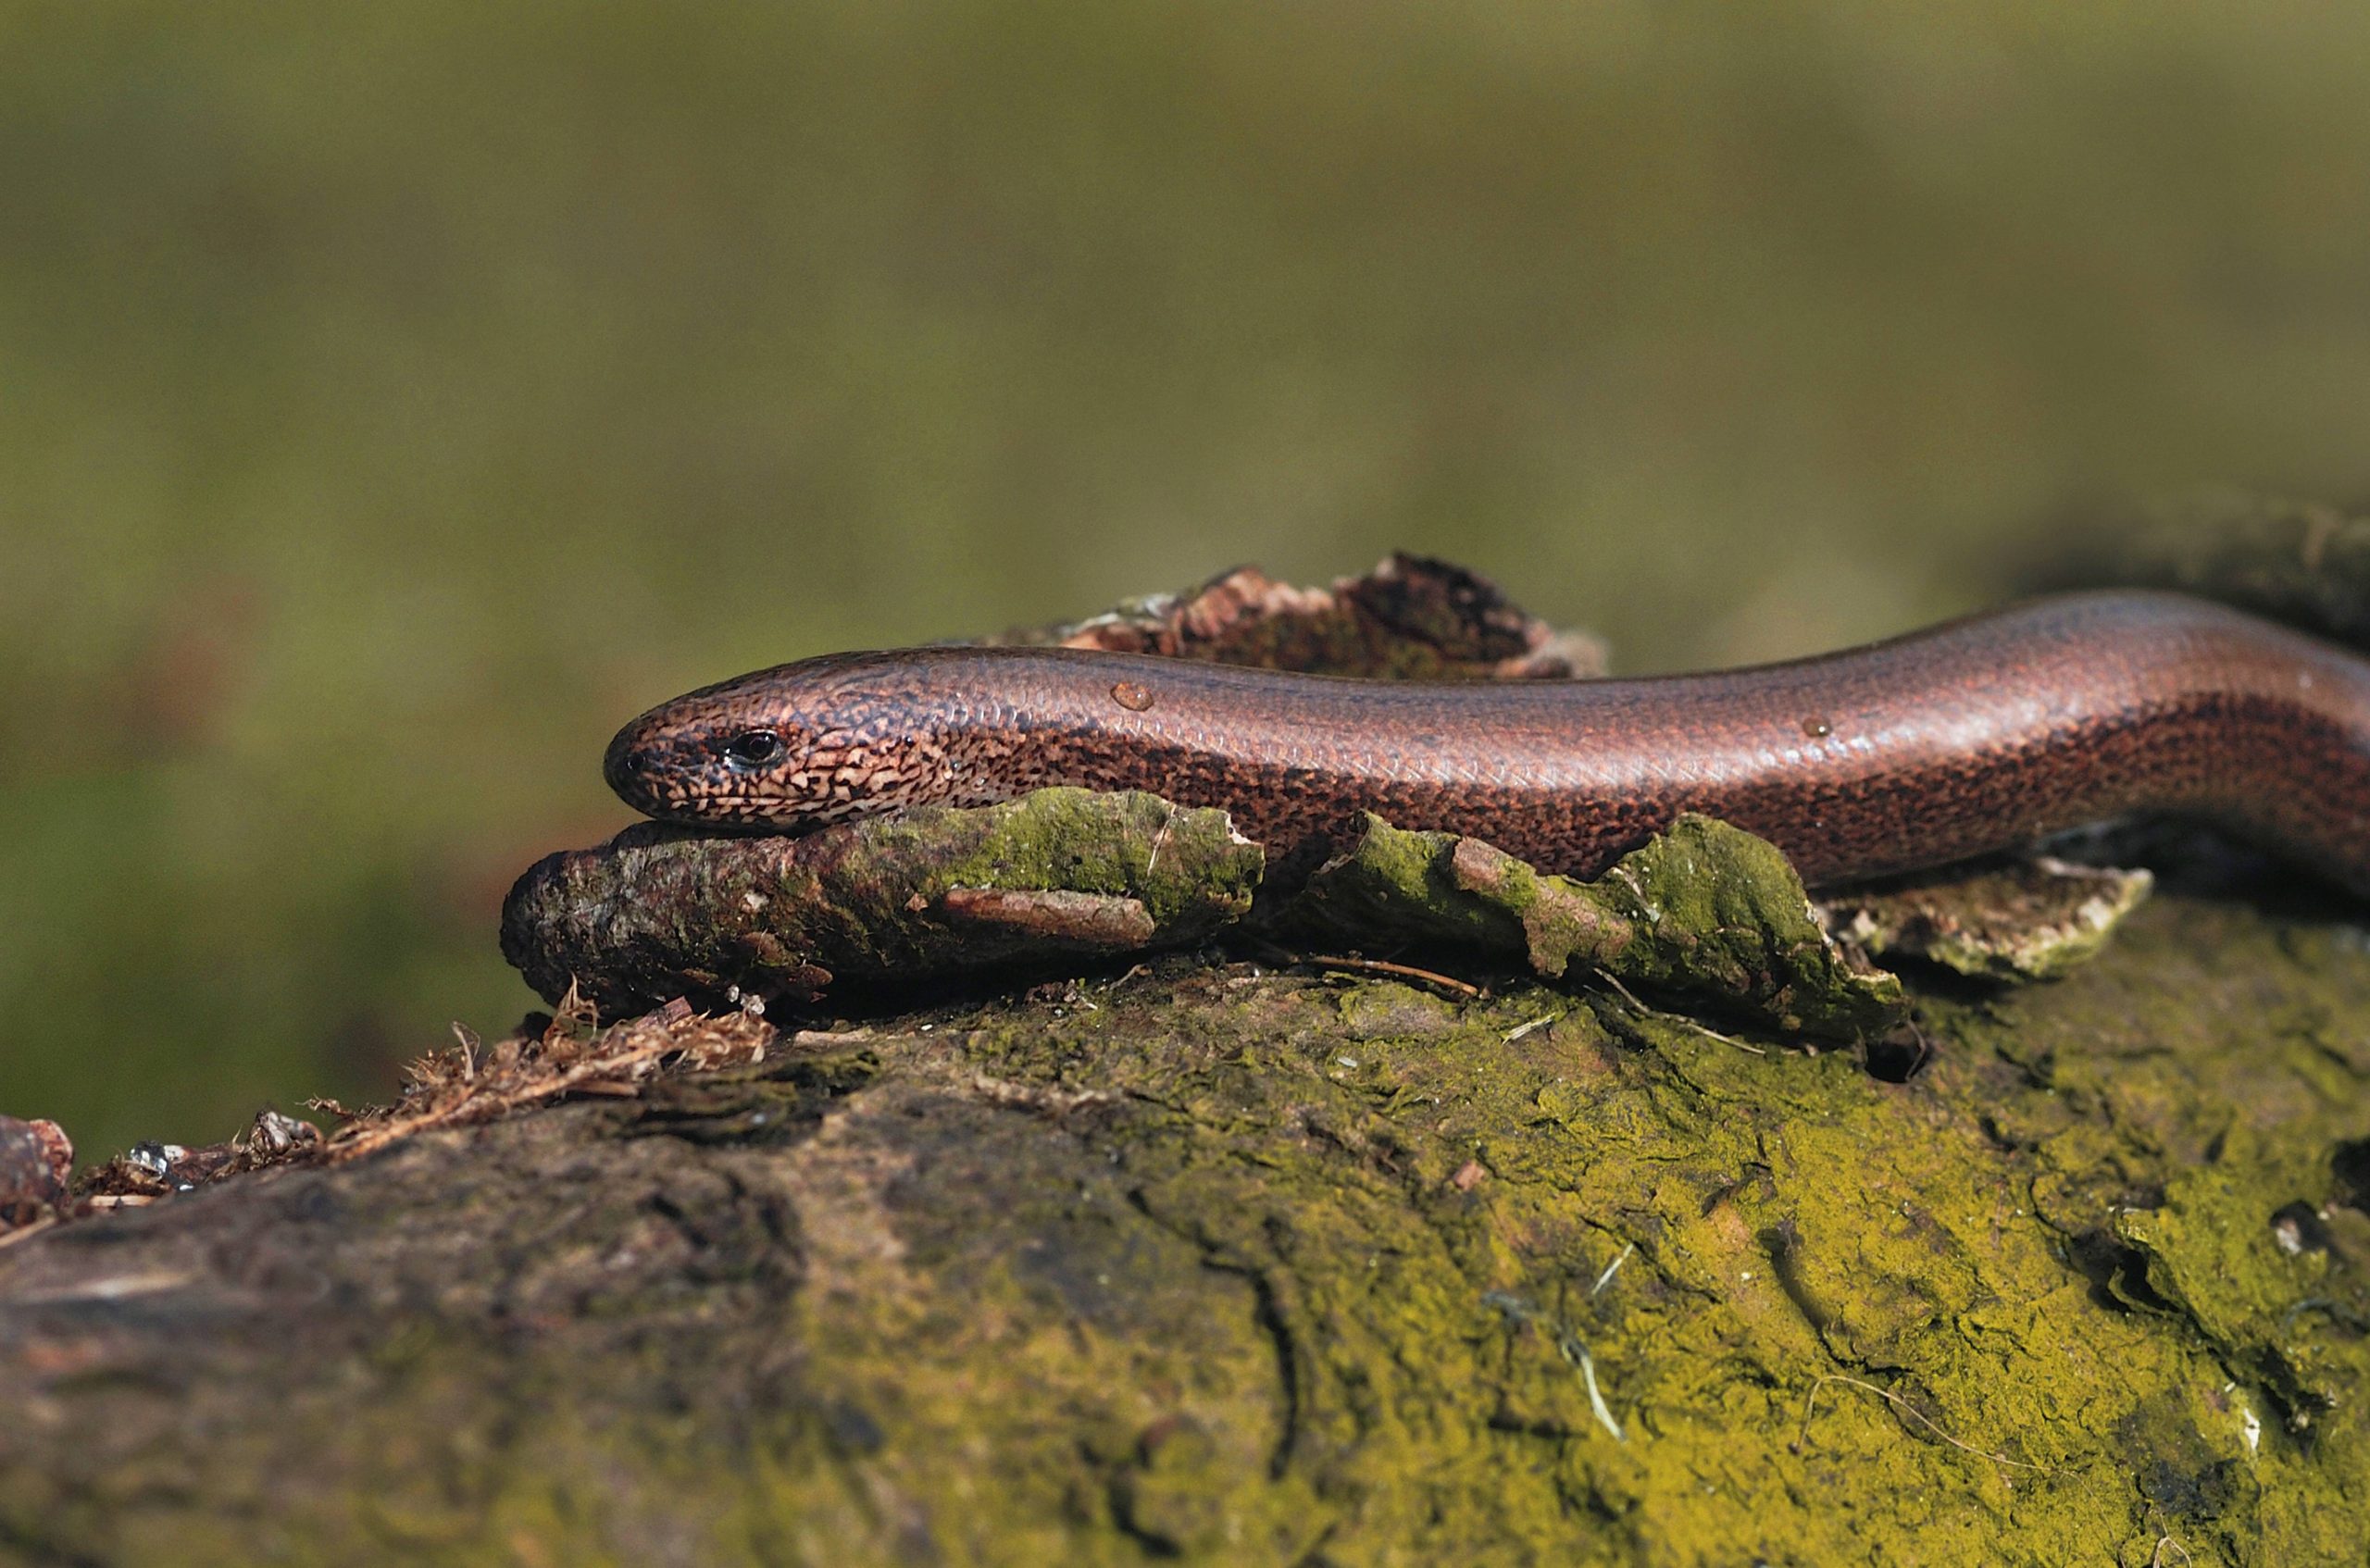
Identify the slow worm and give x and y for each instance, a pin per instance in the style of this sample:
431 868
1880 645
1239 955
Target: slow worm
1973 735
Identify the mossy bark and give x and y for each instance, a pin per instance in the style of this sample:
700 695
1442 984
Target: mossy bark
1224 1265
1705 911
1059 876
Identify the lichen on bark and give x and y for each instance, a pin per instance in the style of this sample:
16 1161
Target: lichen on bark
2031 918
1061 875
1704 911
1217 1265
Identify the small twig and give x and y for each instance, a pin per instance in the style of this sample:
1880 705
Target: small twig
470 1044
1810 1403
1612 1268
612 1065
1610 978
605 1088
2156 1558
1513 1309
1403 971
117 1288
1925 1047
1159 840
1746 1046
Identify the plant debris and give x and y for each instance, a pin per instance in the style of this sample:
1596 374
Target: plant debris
571 1054
1411 618
550 1058
1706 911
2030 919
1055 877
36 1162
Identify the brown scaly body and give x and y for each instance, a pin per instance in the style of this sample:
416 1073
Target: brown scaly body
1973 735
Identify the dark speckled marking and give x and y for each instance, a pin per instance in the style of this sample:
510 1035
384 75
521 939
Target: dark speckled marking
1974 736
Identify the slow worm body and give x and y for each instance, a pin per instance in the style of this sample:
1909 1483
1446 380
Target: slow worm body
1974 736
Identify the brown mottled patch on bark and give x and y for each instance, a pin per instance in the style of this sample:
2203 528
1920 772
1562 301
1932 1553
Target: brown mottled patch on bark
1412 618
1057 916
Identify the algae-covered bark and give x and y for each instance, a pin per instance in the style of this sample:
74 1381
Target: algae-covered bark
1219 1264
1706 911
1062 875
1705 914
2031 918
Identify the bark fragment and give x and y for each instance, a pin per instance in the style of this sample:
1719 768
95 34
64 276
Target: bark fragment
2029 919
36 1159
1057 877
1411 618
1705 911
1705 914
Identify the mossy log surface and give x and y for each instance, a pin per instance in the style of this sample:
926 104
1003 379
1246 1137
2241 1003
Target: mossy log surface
1704 911
1210 1262
1057 877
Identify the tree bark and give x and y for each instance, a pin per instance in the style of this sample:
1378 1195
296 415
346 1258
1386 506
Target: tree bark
1243 1266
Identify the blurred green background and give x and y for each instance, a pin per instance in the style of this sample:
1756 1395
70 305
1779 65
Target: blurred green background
395 399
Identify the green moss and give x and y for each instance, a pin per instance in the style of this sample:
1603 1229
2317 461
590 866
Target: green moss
1716 907
1704 911
1076 874
2239 1247
1170 857
1219 1266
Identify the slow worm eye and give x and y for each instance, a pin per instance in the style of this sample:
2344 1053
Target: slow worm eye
754 749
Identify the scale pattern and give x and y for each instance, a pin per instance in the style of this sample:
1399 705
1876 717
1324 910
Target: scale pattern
1970 737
